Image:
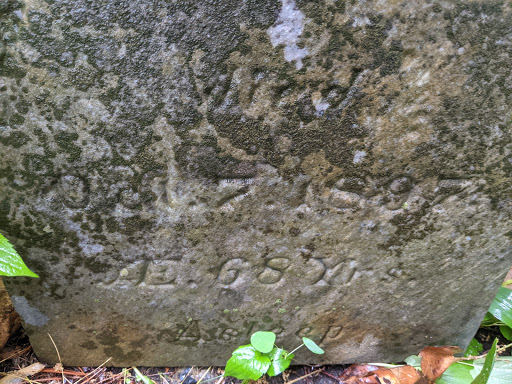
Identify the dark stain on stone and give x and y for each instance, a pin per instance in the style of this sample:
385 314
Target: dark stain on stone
89 345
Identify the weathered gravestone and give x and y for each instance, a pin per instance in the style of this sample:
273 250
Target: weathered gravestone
184 173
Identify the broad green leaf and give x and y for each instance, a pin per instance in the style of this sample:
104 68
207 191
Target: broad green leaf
263 341
502 371
247 363
506 331
489 320
141 377
474 348
458 373
501 307
279 361
413 361
484 375
464 372
311 345
11 263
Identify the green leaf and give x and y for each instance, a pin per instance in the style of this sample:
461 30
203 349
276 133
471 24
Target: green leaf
413 361
126 376
263 341
484 375
501 307
247 363
489 320
506 332
11 263
311 345
141 377
464 373
474 348
458 373
280 360
502 371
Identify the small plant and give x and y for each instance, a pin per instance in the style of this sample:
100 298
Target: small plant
475 368
11 263
500 312
250 362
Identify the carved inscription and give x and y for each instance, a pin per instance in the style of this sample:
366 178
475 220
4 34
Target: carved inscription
323 336
157 272
196 331
274 270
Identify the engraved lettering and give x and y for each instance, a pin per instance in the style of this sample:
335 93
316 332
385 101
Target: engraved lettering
177 273
332 333
134 273
192 332
340 273
314 271
305 332
250 328
162 272
273 271
228 333
230 270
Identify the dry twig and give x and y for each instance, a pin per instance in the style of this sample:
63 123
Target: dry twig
302 377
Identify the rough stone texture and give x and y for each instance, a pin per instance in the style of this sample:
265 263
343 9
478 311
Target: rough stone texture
183 173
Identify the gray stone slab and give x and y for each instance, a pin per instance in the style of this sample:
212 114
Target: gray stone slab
183 173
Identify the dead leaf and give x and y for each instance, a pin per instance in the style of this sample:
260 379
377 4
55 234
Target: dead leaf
355 371
10 321
381 376
16 377
370 374
406 374
436 360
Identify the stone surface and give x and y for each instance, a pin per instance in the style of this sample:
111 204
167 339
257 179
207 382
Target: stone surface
183 173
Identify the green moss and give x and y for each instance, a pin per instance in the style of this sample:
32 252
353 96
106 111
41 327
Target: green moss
15 139
22 107
37 165
65 140
9 67
135 224
96 265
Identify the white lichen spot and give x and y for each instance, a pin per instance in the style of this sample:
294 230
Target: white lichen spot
361 21
287 30
320 106
359 156
424 79
90 249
